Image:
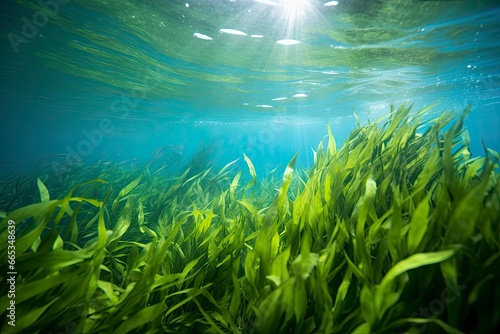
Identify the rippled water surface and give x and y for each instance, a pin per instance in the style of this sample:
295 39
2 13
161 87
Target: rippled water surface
257 77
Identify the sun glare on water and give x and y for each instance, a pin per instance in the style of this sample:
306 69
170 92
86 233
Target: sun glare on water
292 16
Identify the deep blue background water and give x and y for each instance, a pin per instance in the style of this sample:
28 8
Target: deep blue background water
79 83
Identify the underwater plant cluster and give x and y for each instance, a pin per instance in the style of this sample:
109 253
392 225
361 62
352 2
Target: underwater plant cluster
396 231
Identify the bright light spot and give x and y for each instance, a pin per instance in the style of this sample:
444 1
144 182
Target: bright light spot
233 32
295 15
279 98
331 3
201 36
300 95
263 106
468 66
288 42
187 5
267 2
257 36
294 8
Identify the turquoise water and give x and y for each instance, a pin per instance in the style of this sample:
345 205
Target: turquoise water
151 81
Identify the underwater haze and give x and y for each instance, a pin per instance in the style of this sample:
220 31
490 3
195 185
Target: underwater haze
161 73
249 166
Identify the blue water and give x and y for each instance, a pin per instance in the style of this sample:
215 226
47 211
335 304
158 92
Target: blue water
120 81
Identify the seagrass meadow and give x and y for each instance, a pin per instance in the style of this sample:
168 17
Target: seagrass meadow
395 231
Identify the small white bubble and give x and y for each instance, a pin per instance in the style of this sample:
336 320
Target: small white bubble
423 29
469 66
187 5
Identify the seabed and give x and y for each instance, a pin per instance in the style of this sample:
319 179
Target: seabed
396 231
